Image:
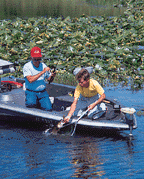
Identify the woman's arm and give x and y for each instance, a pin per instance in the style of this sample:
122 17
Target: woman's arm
102 97
72 109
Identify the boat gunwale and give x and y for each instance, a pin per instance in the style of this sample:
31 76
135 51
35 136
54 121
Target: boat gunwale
55 117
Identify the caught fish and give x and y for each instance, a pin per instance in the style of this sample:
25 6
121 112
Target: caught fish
55 129
60 124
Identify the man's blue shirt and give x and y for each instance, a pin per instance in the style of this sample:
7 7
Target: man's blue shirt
39 84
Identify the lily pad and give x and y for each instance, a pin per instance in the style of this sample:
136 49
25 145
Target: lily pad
112 43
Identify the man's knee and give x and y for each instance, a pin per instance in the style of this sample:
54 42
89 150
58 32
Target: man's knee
30 101
46 105
46 108
30 105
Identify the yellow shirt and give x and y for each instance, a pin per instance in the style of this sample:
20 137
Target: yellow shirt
93 89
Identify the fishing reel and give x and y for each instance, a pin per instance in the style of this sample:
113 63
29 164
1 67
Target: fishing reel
53 70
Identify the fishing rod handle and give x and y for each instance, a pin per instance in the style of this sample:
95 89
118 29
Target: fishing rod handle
52 78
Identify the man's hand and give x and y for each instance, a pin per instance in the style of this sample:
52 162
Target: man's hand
53 74
51 78
46 69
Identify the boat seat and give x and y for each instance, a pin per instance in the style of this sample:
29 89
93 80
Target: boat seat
66 98
61 103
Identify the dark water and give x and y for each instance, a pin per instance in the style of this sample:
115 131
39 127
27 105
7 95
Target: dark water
26 152
10 9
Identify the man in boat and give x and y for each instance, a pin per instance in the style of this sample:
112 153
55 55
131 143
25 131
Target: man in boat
88 93
35 72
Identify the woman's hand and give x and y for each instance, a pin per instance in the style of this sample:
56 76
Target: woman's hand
72 109
91 106
66 119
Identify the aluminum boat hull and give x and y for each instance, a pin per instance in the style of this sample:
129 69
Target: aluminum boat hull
12 103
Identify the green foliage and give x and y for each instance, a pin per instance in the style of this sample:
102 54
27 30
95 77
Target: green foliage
110 45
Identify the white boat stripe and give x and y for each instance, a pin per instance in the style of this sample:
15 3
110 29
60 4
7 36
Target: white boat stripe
47 115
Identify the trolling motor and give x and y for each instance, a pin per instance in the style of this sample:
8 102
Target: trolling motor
129 113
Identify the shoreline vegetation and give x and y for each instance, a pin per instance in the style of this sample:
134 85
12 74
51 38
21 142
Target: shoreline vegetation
12 9
114 46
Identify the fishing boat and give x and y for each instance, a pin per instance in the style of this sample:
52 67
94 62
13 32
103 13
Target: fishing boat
12 103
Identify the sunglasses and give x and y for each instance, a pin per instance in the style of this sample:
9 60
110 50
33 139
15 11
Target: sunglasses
37 60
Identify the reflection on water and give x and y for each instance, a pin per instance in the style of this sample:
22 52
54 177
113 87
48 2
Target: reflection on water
11 9
86 160
90 156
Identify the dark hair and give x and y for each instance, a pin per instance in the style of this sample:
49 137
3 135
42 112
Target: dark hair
83 73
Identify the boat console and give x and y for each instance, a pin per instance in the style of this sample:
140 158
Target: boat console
5 67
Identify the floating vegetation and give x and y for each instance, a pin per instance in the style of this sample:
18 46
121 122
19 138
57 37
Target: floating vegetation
114 46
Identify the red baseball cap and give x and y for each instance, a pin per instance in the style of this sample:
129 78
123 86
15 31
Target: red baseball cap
36 52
